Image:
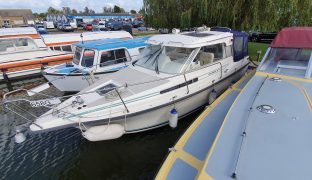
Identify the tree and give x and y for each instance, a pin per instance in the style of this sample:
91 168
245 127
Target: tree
86 11
263 15
67 10
118 9
74 12
133 11
91 11
107 9
51 10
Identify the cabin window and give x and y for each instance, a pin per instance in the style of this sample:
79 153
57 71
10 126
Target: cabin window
165 59
229 51
287 61
141 49
105 89
67 48
57 48
87 58
77 55
17 44
113 57
216 49
52 48
6 45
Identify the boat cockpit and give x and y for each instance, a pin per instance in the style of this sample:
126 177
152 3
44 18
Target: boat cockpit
10 45
174 60
288 61
93 58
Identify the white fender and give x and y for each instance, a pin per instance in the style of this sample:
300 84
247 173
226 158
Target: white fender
104 132
173 119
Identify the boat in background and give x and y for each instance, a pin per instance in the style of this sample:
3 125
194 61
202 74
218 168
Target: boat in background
266 132
94 60
64 42
22 52
175 75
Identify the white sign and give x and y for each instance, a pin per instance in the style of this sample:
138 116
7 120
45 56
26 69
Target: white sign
45 102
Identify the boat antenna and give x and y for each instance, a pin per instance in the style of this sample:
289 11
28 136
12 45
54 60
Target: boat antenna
81 36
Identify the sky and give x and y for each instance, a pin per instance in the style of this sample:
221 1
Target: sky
38 6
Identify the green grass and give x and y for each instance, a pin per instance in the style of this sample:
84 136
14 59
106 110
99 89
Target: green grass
254 47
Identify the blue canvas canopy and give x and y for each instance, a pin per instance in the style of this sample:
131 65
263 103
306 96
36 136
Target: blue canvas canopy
240 42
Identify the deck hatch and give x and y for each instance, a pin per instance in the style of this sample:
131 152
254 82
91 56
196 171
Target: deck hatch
266 109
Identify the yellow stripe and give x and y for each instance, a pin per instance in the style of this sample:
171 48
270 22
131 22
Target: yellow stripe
305 93
203 173
180 153
283 76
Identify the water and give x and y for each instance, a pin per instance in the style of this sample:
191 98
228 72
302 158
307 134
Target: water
65 154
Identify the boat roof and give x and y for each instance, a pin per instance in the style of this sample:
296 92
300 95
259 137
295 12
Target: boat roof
17 31
190 39
114 43
87 36
293 37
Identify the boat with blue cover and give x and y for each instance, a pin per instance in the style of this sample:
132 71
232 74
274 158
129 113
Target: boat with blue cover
92 61
265 133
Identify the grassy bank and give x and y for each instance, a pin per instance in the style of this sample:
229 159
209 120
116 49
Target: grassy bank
254 47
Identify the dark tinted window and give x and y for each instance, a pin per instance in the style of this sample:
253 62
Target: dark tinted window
87 58
67 48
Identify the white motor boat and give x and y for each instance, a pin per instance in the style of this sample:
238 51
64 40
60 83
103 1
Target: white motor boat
92 61
175 75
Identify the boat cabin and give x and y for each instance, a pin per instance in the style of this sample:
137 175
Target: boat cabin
288 55
63 42
101 53
179 53
20 39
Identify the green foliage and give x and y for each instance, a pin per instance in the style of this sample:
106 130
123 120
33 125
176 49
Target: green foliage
262 15
133 11
118 9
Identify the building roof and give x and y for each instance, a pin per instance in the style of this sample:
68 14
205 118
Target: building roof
26 13
293 37
114 43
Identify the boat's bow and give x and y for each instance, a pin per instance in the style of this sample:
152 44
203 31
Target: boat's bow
266 134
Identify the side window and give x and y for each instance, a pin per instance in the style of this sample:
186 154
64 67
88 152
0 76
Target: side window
24 44
88 58
216 49
51 48
238 48
141 49
6 45
67 48
120 56
107 58
228 51
57 48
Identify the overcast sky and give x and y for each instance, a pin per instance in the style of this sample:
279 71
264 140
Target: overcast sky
43 5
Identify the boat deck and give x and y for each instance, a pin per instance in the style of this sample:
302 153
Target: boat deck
256 145
187 157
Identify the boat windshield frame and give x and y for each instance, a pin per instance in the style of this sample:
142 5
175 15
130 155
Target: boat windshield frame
295 62
18 47
79 62
162 58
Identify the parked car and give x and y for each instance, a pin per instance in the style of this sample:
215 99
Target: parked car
142 28
165 31
67 27
99 25
41 29
88 27
261 37
81 24
138 23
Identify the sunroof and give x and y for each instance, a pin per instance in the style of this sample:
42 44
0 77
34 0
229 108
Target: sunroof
197 34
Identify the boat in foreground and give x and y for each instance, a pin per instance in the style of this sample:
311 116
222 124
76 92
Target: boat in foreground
266 132
175 75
